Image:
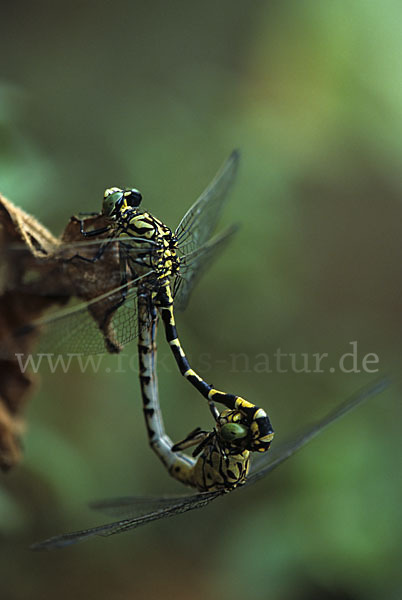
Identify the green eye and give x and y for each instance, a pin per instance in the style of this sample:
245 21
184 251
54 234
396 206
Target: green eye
110 202
233 431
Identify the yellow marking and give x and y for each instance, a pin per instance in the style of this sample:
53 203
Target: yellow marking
111 191
214 392
143 224
241 402
176 343
225 414
267 438
191 373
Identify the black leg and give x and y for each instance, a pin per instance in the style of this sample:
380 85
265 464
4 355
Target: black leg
88 234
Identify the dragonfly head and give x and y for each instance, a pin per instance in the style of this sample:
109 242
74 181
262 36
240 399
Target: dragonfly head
231 430
117 199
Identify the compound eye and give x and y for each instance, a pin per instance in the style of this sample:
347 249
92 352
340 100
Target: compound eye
111 203
231 432
133 197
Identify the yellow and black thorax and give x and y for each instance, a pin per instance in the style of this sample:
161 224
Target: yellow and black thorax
145 241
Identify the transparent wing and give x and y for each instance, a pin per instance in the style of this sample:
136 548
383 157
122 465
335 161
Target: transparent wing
78 246
161 508
264 464
79 329
89 270
158 508
200 220
134 506
193 265
90 327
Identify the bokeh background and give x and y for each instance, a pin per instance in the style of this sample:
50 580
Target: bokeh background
156 95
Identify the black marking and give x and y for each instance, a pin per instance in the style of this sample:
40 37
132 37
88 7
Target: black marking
143 349
145 399
222 469
146 379
199 384
142 230
264 425
151 432
170 330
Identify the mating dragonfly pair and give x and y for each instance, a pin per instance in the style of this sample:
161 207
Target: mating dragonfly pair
156 273
157 270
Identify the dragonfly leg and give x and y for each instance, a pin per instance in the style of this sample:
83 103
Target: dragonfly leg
179 465
196 437
213 409
88 234
257 420
93 232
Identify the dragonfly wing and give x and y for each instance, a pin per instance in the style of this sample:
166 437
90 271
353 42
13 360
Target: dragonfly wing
71 269
193 265
86 270
89 327
161 508
200 220
84 331
132 506
264 464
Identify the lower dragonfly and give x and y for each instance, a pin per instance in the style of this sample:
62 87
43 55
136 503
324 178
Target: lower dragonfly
219 463
221 459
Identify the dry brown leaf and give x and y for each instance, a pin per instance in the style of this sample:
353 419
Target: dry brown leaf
25 248
35 273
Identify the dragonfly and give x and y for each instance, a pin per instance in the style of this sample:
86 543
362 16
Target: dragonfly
133 512
157 268
220 461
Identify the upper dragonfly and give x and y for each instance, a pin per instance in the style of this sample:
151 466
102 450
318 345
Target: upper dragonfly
152 262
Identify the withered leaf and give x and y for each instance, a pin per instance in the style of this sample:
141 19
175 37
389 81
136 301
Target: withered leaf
36 273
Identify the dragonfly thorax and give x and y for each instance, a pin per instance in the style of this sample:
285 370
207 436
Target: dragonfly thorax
145 241
223 459
220 467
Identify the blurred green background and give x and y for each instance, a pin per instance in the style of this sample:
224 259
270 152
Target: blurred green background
155 95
